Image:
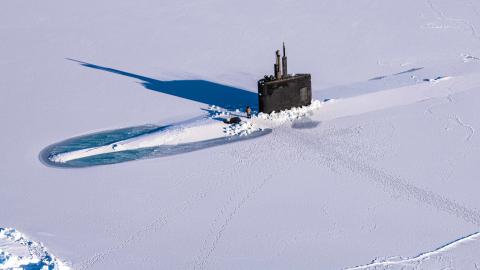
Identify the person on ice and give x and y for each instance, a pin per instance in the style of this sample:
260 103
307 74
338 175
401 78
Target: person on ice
249 112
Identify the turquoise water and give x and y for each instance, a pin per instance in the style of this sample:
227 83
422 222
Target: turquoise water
111 136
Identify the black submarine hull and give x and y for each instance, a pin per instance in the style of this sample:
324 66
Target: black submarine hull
283 94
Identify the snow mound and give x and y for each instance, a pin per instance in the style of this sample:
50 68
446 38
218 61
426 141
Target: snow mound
18 252
292 114
242 129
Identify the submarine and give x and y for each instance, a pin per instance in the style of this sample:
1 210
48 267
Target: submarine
283 91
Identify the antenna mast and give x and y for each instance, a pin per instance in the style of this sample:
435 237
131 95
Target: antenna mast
284 63
277 66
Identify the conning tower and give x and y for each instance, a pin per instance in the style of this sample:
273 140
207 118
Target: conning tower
283 91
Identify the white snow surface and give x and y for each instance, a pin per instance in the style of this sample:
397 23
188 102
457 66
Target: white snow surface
380 173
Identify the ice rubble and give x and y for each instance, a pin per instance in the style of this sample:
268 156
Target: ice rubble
247 126
428 260
241 129
292 114
18 252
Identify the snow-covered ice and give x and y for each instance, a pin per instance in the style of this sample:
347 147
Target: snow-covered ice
380 173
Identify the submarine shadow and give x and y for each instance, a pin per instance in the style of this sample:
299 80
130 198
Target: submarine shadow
202 91
305 123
